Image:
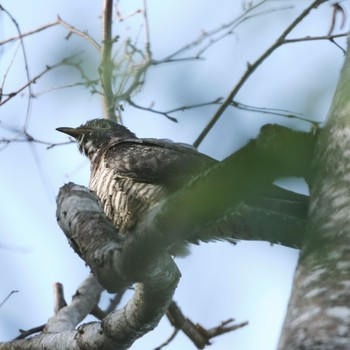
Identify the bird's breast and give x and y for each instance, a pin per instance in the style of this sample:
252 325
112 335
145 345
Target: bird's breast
124 200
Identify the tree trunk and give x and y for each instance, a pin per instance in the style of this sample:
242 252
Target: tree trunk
318 315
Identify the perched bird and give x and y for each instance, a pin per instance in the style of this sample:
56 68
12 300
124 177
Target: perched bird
129 174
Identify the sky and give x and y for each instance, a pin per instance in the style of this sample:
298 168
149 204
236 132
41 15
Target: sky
250 281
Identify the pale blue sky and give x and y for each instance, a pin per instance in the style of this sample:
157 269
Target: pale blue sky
250 281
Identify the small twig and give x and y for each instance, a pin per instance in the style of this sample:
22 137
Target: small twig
314 38
32 81
59 21
165 114
197 105
114 302
337 9
25 334
7 72
73 30
122 18
7 297
225 327
26 65
169 340
28 138
338 46
54 88
176 60
37 30
126 75
231 30
252 67
195 332
136 72
207 34
178 109
273 111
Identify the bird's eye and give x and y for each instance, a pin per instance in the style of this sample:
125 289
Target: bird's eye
104 125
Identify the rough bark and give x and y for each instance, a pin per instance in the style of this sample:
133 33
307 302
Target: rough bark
94 238
318 315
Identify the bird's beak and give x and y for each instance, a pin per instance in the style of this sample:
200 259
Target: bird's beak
74 132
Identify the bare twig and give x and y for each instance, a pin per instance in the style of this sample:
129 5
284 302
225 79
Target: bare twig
273 111
178 109
217 101
26 66
32 81
252 67
315 38
28 138
209 34
244 18
114 302
7 297
7 72
133 77
165 114
195 332
337 9
27 333
73 30
169 340
59 21
54 88
122 18
37 30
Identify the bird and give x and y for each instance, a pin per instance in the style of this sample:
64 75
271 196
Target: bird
130 175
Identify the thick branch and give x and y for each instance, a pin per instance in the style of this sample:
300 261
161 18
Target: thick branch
318 312
93 237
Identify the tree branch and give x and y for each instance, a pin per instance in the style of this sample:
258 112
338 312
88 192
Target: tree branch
26 65
35 31
195 332
106 67
94 238
32 81
59 21
318 311
73 30
251 68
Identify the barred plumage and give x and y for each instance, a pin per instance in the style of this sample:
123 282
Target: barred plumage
130 175
124 200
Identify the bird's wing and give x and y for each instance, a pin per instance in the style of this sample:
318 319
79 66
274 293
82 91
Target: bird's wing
156 161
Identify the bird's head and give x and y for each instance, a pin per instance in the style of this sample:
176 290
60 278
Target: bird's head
96 134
